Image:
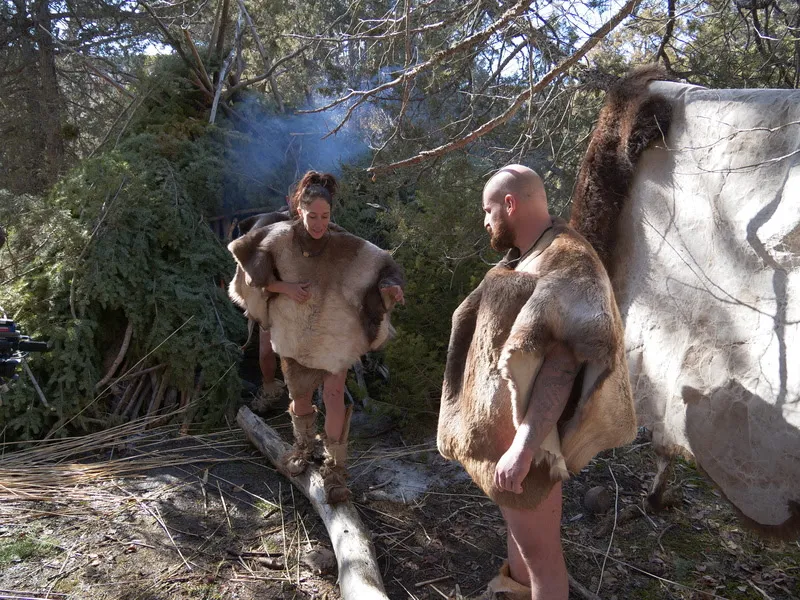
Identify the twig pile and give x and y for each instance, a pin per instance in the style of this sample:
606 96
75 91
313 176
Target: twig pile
146 392
68 470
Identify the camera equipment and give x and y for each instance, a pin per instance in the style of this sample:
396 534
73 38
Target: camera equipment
14 347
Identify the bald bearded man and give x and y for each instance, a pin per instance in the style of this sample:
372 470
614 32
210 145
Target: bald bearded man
536 381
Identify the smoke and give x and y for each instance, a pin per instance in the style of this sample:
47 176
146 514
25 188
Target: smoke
270 151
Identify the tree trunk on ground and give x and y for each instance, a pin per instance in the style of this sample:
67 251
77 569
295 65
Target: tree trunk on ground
359 576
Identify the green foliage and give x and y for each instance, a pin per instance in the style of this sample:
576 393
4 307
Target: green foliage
122 239
416 367
434 229
23 549
716 43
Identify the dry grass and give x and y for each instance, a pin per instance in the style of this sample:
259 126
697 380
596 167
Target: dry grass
248 536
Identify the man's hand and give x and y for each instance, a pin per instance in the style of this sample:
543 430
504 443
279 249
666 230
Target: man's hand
512 468
395 292
548 398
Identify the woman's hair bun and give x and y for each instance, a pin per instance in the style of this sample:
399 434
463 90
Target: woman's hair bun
326 180
313 184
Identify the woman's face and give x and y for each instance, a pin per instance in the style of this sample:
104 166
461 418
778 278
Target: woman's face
316 217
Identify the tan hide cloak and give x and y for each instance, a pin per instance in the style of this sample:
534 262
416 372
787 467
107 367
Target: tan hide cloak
500 336
347 314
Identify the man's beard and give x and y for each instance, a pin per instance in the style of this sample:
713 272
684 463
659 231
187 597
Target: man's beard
502 239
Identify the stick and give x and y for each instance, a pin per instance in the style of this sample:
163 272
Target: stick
137 373
189 407
35 383
264 57
155 404
581 590
120 355
224 72
200 67
123 410
611 539
429 581
123 401
136 399
359 576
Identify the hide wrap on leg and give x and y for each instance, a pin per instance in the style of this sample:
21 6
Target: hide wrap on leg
333 468
305 430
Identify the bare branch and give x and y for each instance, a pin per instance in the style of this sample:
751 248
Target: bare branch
273 84
199 67
167 35
267 75
502 65
555 72
662 49
365 37
97 71
362 96
120 355
227 64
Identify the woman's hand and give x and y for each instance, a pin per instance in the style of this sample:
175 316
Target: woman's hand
298 292
395 292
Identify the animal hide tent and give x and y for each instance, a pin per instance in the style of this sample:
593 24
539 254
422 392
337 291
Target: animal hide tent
706 271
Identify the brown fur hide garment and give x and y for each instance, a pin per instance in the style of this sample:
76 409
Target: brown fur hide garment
500 336
347 314
631 119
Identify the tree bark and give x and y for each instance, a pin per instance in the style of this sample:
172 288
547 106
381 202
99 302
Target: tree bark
273 84
359 576
50 103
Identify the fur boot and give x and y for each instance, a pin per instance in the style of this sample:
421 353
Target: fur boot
333 467
502 587
305 430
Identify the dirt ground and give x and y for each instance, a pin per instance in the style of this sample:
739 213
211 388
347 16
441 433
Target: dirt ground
214 521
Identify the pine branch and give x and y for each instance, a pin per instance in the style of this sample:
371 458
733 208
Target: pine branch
555 72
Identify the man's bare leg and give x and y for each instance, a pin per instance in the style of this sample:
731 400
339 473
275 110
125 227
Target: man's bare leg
535 556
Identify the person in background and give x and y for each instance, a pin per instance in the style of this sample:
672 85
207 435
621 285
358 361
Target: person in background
271 388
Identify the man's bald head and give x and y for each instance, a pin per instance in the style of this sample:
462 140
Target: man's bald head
515 207
519 181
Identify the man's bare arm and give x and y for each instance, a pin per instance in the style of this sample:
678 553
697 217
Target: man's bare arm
548 398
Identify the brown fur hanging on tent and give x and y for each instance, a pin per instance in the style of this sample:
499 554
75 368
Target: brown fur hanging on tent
630 120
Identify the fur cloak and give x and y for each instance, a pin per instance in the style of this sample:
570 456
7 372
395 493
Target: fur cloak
347 314
500 336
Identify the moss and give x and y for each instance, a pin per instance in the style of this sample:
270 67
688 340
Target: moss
204 592
266 507
686 544
23 549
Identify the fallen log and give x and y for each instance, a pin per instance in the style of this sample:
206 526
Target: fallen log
359 576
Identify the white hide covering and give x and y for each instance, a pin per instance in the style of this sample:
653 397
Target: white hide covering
708 283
